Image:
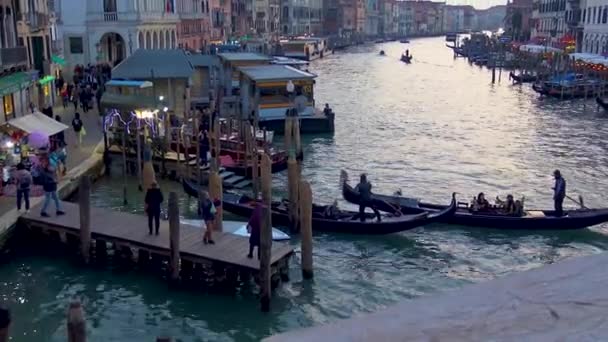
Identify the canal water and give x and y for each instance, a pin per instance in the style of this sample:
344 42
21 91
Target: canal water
430 128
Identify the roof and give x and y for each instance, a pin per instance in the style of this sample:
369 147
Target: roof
242 56
200 60
37 122
135 84
275 73
127 102
163 63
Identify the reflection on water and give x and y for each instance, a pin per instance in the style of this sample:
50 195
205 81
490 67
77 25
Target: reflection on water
430 128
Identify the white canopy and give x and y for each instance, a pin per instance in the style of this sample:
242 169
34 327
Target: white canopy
37 122
590 58
538 48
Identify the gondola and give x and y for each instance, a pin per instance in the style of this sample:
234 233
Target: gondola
406 59
404 41
344 222
522 78
601 103
532 220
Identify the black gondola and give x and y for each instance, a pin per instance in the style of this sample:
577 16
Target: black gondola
406 59
345 222
404 41
532 220
523 78
600 101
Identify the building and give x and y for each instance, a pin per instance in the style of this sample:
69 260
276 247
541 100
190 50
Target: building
360 13
550 25
389 22
17 82
193 28
427 18
372 17
595 27
491 19
221 20
305 17
108 31
405 18
518 19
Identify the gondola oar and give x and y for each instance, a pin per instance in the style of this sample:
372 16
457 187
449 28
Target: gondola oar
579 202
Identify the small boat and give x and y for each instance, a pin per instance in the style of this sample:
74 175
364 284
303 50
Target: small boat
404 41
600 101
523 78
532 219
382 53
345 222
238 228
406 59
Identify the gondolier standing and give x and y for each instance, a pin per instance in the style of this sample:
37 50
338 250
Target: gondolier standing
559 192
364 188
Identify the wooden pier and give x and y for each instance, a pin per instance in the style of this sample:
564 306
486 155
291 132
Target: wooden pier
129 232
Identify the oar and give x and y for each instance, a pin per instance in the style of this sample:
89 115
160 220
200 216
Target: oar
397 210
580 202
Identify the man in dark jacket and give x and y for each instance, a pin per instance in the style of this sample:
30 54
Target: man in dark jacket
364 188
254 226
559 192
154 198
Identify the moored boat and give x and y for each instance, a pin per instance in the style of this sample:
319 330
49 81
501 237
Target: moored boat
600 101
404 41
523 78
532 219
343 222
406 59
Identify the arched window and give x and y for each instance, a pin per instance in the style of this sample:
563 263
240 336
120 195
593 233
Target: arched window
161 40
173 40
148 40
605 15
168 39
155 40
140 40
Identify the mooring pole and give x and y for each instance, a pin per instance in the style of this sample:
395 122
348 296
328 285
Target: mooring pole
174 235
76 323
306 228
84 203
266 233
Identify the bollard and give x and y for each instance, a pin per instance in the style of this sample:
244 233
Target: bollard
76 323
266 233
174 235
306 228
84 203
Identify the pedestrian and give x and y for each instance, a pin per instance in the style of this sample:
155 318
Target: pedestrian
254 227
65 97
154 198
23 183
49 185
364 188
84 100
207 211
98 95
60 137
559 193
74 96
204 147
78 128
5 323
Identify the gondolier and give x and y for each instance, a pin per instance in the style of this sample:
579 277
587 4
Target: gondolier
364 188
559 192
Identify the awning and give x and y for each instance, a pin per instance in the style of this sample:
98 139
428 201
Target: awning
128 83
46 79
37 122
14 82
127 102
58 60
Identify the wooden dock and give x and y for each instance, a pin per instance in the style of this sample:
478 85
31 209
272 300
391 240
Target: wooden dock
131 231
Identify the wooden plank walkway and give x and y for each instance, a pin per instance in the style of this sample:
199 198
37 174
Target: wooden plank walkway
125 228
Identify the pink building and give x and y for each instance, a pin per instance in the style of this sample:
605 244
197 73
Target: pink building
193 29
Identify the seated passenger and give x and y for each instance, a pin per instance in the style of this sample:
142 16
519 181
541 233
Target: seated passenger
481 203
332 211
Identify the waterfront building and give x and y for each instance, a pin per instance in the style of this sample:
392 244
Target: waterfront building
193 28
108 31
595 27
339 18
303 17
491 19
405 18
518 19
360 13
17 81
388 25
427 17
371 17
221 26
550 24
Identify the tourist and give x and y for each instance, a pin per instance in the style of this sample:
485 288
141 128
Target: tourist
75 95
23 183
481 203
154 198
77 125
207 211
254 227
98 96
327 110
559 193
65 98
204 147
364 188
59 137
5 323
49 185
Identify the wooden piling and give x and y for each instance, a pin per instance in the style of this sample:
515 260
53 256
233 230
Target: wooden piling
216 193
5 323
306 228
174 235
139 173
297 141
124 166
76 323
178 149
266 233
84 203
293 179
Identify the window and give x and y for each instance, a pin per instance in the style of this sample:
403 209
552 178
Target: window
605 15
76 45
9 107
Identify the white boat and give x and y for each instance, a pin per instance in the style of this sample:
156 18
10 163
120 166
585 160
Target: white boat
237 228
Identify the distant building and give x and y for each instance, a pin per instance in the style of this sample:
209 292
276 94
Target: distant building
372 19
550 23
518 19
491 18
193 29
305 17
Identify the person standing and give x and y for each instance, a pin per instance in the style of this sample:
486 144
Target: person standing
254 227
559 193
364 188
75 95
154 199
78 128
24 181
49 185
207 212
204 147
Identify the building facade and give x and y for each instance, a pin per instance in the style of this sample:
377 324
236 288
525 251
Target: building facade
550 25
193 28
594 22
306 17
372 17
518 20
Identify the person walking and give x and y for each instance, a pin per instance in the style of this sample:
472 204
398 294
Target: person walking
254 227
49 185
364 188
154 199
24 181
74 96
207 211
559 193
78 127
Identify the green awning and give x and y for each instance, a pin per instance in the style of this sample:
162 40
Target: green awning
46 79
14 82
58 60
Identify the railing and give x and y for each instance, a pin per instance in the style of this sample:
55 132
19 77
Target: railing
13 56
110 16
36 20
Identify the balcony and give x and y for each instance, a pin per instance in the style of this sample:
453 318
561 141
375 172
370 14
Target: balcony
36 21
10 57
110 16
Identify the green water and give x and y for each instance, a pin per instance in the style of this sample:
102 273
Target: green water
430 128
